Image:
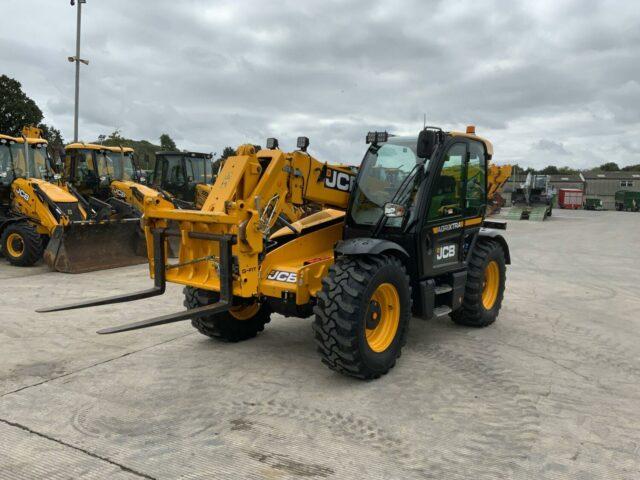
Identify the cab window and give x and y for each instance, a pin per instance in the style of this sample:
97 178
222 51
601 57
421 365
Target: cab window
475 198
446 200
6 175
85 172
196 170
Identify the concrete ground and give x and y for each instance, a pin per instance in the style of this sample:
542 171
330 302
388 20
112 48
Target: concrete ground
551 390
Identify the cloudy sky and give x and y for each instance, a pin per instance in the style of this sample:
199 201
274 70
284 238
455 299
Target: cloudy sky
547 81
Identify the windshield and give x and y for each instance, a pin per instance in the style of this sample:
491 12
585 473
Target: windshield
105 162
173 172
124 168
198 170
5 163
36 166
383 172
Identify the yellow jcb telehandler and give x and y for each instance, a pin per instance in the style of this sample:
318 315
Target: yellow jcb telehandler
406 236
40 219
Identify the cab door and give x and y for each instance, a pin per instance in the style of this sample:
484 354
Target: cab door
442 232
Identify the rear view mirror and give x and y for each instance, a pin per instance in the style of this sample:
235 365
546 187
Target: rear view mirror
428 140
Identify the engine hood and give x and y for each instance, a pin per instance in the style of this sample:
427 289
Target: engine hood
54 192
128 185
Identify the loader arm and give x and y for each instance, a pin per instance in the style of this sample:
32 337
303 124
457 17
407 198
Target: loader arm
253 192
225 245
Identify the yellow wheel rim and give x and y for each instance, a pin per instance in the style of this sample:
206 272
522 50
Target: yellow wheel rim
382 317
245 312
491 285
15 245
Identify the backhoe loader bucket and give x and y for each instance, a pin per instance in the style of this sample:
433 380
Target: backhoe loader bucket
87 246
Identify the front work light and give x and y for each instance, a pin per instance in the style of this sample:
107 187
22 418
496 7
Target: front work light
377 137
272 143
393 210
303 143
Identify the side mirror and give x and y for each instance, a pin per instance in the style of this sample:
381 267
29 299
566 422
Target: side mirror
393 210
428 140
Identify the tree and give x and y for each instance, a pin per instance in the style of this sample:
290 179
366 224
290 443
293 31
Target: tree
167 144
115 138
227 152
16 109
609 167
567 171
549 170
632 168
53 136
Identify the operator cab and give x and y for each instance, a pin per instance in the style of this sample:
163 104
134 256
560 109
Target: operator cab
425 193
20 159
179 173
91 168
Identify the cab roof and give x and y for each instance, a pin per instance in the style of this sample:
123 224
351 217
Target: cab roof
186 154
30 141
487 144
95 146
472 136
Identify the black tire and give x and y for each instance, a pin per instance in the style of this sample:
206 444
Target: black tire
224 325
26 240
473 312
342 309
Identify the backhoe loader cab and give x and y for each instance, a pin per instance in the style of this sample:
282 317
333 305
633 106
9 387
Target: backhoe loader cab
92 168
185 175
109 176
405 236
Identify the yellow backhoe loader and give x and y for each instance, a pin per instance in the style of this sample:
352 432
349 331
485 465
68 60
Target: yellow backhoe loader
109 176
35 213
406 236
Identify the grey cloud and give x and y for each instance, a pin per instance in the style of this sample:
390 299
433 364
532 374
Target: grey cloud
550 146
216 73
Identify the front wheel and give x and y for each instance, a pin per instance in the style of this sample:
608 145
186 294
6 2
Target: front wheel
362 315
22 244
237 324
486 276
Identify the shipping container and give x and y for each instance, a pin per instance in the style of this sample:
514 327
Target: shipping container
571 198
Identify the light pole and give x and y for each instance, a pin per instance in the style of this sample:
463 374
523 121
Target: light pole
77 61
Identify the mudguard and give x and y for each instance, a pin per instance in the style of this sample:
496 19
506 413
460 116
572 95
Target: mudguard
495 235
369 246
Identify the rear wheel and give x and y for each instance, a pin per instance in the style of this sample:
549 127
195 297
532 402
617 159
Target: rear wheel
362 315
484 290
237 324
22 244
